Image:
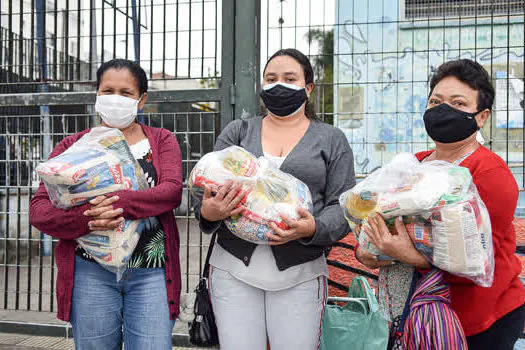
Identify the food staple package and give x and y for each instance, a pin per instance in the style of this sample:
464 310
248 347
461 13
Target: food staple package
270 191
99 163
441 208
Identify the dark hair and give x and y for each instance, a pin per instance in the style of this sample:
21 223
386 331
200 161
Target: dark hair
307 70
132 67
471 73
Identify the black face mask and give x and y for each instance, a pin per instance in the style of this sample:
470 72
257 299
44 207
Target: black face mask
282 100
447 124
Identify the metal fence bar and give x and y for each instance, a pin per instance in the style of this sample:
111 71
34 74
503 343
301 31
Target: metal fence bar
247 60
70 43
6 268
82 98
227 96
197 128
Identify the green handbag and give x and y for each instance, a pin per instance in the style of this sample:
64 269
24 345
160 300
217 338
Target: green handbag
357 325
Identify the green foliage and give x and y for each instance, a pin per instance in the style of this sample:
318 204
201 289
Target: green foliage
323 65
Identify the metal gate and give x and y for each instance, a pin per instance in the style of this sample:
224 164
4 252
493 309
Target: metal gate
202 61
371 58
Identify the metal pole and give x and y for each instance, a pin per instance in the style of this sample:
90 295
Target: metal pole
227 88
136 43
247 58
90 109
136 30
44 109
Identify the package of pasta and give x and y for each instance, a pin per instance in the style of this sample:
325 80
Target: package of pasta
269 191
441 208
99 163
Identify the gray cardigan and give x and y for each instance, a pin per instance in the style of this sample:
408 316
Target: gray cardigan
324 161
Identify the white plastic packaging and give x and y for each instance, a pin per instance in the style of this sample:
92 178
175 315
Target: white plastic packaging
97 164
271 192
441 208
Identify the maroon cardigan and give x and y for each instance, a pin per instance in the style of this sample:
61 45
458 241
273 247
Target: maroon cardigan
67 225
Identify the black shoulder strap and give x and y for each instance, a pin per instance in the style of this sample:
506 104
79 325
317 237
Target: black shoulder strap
416 276
243 131
206 269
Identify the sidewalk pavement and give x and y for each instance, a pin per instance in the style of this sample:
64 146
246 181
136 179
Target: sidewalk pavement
11 341
19 341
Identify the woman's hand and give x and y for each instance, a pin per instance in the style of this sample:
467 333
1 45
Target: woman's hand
370 260
104 216
223 204
302 228
399 246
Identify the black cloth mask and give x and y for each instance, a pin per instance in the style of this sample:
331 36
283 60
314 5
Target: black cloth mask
282 99
447 124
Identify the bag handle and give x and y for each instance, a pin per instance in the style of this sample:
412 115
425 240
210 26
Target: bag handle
360 301
360 288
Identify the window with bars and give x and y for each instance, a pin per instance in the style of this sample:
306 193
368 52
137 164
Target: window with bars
420 9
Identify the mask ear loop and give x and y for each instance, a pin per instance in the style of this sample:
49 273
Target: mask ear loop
479 136
139 115
473 115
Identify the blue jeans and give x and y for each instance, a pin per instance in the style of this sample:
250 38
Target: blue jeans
104 311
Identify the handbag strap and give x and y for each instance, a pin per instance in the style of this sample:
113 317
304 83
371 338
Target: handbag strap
243 131
206 269
406 310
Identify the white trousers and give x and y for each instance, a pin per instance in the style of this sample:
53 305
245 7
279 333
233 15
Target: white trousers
247 316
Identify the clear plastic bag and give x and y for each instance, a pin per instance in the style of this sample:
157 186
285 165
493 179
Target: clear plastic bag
270 191
441 208
97 164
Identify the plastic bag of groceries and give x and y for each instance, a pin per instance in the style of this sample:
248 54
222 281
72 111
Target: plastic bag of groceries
270 191
441 208
99 163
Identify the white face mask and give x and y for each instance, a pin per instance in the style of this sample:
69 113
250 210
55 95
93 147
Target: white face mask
117 111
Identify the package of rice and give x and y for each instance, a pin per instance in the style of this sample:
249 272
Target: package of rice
462 240
270 191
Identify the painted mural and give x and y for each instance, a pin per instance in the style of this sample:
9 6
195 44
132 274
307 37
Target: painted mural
382 64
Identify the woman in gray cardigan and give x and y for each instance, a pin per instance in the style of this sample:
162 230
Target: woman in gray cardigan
277 292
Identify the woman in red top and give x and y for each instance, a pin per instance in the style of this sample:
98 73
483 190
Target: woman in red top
139 310
460 103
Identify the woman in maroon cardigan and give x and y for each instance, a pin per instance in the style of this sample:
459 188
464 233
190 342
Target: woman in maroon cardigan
146 301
